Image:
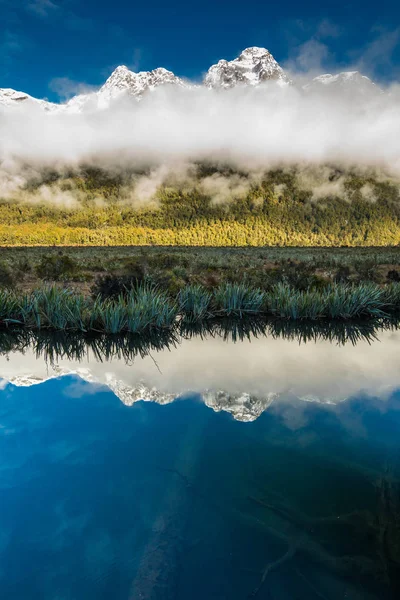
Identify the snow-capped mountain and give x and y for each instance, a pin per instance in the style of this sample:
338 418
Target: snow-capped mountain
252 67
123 82
136 84
347 81
243 406
9 97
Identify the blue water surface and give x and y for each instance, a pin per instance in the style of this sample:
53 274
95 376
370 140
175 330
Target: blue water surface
99 500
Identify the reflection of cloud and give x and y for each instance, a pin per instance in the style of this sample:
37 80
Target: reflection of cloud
80 388
243 378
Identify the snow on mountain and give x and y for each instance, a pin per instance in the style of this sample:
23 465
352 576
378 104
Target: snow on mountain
347 81
136 84
123 82
243 406
252 67
9 97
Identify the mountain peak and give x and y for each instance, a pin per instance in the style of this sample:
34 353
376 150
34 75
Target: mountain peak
121 70
255 51
253 66
346 81
135 84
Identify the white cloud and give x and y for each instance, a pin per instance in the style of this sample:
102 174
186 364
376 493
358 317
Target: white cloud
170 128
66 88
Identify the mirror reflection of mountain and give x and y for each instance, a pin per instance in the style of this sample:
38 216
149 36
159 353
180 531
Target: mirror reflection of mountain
241 367
288 488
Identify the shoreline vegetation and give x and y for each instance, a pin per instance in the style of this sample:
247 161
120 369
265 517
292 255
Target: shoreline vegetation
137 290
146 308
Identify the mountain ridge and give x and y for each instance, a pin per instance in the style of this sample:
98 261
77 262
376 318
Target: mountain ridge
253 67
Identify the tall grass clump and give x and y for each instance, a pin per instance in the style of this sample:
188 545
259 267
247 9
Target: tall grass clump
236 299
286 302
8 306
338 301
391 296
149 307
194 303
54 308
139 310
355 301
108 316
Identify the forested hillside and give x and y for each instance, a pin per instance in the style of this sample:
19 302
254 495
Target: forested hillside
215 207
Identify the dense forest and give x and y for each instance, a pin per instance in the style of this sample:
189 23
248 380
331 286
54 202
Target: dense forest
277 209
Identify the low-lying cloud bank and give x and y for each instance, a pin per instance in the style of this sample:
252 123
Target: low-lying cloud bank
252 129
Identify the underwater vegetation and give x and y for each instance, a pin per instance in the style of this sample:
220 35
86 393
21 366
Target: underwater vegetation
147 307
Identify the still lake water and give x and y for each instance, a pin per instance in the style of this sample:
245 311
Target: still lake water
209 469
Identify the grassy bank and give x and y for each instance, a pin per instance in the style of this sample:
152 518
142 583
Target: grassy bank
146 308
109 270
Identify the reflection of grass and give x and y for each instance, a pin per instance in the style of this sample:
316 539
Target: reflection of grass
147 308
53 346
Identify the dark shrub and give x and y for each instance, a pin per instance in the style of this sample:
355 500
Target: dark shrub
298 275
135 270
6 278
56 267
342 274
167 260
112 286
367 270
24 266
393 275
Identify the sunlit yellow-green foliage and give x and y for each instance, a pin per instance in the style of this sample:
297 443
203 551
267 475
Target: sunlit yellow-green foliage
276 211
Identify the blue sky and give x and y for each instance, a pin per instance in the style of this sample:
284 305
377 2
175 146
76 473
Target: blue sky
53 48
